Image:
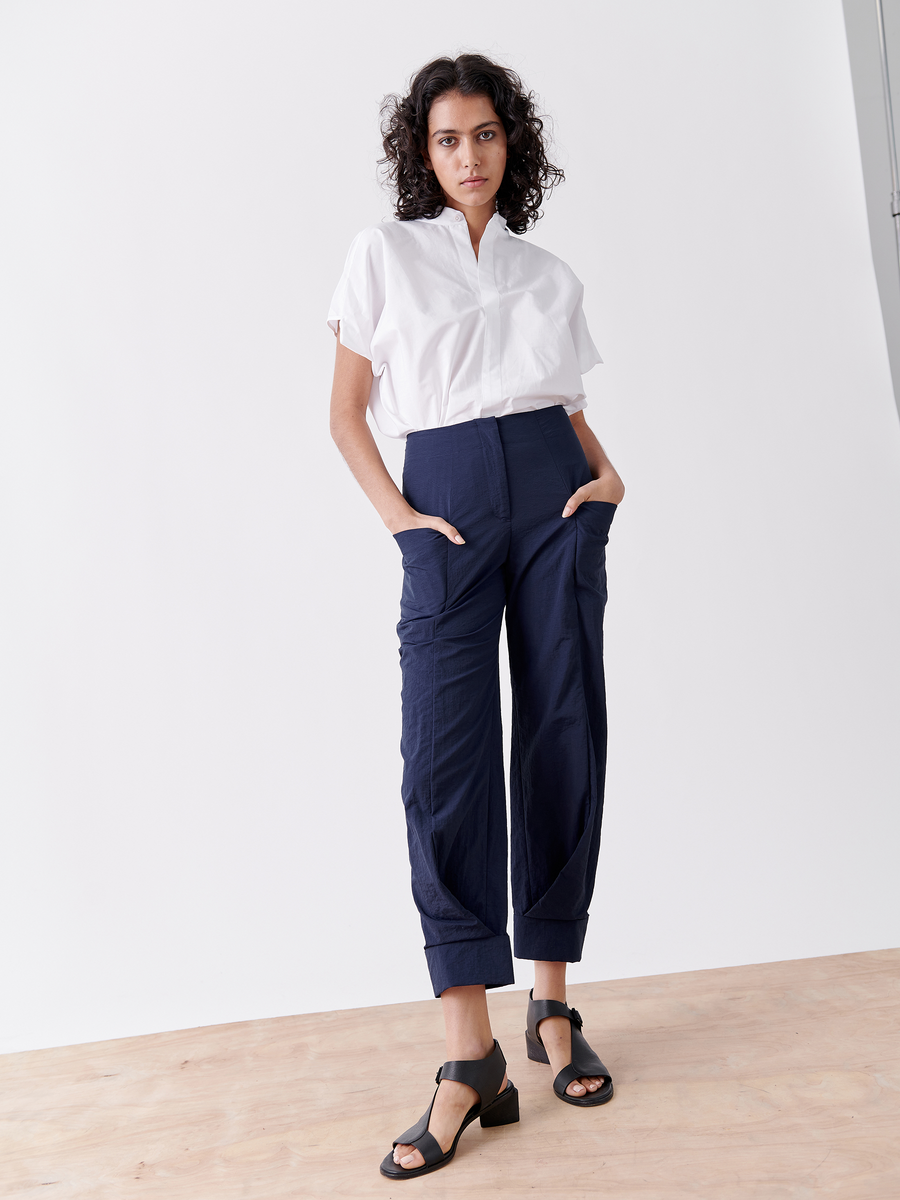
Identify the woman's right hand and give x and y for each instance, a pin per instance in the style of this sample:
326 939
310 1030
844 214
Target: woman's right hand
415 520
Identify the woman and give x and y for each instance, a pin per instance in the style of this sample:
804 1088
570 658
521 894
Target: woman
471 344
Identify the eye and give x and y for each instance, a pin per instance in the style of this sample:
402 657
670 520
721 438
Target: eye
487 134
446 141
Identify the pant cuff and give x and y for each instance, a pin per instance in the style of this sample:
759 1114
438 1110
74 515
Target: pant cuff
484 960
549 941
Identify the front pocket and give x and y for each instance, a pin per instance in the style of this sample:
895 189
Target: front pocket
425 553
593 519
601 513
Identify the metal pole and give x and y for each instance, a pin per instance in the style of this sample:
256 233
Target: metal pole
889 114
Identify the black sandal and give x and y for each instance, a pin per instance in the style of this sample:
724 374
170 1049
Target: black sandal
484 1075
584 1061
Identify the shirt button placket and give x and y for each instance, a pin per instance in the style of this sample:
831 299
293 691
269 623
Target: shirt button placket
492 384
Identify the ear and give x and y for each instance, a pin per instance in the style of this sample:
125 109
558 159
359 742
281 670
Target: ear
427 161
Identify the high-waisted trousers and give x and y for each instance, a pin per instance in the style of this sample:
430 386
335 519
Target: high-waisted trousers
503 483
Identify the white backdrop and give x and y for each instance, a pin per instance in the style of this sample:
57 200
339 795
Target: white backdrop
201 813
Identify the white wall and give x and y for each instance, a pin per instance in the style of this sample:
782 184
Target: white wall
201 772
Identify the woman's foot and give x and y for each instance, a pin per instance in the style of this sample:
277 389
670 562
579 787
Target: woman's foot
556 1034
452 1102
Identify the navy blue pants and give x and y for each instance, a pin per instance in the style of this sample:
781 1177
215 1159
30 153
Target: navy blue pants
503 482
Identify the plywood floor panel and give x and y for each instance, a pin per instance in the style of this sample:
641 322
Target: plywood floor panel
779 1081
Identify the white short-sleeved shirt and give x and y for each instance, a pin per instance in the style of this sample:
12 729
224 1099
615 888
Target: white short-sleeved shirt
452 337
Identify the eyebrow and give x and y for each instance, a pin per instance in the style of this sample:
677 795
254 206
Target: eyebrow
483 125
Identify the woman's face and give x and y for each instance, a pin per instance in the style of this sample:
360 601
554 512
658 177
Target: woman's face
466 149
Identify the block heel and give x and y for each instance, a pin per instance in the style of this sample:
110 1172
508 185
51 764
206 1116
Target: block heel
503 1111
535 1050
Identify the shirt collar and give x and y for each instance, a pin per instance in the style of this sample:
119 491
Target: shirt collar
452 216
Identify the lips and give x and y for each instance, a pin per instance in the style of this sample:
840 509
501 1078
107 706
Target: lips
473 180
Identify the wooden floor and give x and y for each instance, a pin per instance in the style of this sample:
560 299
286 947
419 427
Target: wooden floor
778 1080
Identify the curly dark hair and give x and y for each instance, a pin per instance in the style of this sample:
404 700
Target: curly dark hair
529 173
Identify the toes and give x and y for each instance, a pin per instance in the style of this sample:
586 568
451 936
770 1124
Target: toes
583 1086
408 1157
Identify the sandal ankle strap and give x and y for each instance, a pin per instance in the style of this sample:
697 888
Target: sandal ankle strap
539 1009
483 1074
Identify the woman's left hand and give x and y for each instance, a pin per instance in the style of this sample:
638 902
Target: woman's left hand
607 487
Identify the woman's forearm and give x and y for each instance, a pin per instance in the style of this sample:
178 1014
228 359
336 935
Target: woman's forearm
353 437
602 469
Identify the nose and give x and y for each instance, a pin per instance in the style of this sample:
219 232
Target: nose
471 153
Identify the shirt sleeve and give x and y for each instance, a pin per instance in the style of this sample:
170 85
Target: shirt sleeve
585 351
358 300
